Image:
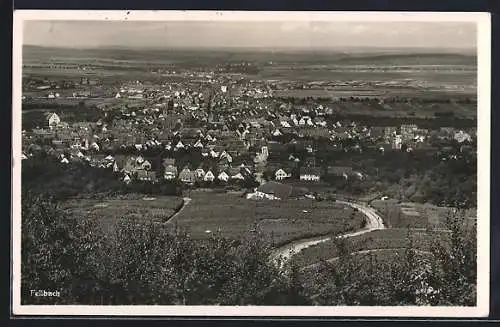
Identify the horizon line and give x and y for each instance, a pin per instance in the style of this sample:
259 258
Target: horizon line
260 48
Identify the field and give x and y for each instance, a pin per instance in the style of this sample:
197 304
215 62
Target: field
415 214
381 261
280 221
381 74
131 207
380 239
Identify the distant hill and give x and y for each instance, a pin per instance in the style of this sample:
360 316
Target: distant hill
410 59
407 56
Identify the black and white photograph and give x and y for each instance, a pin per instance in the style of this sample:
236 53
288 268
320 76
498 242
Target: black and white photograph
202 163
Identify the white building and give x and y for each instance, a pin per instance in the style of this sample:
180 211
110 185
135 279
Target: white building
223 176
198 144
179 145
461 137
209 176
313 178
54 120
280 175
200 173
397 142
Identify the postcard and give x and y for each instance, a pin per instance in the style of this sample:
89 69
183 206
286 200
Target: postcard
251 164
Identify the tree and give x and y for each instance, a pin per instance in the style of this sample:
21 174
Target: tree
143 262
57 252
456 258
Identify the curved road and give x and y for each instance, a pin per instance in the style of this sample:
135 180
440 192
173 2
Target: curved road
285 252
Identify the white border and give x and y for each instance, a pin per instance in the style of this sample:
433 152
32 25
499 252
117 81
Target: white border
483 222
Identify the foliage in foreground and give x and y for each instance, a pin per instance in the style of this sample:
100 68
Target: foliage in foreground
142 264
445 275
148 264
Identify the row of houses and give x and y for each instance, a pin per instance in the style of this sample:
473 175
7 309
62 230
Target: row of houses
315 174
190 176
139 168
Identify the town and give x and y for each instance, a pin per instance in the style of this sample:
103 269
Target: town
212 131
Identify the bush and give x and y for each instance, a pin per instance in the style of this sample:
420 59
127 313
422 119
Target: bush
444 276
143 264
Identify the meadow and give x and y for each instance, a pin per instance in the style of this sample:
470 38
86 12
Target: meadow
233 216
380 74
392 240
131 207
428 215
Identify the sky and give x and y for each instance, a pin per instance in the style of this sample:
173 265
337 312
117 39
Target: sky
248 34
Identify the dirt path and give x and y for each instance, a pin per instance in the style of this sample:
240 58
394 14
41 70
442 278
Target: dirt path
285 252
184 205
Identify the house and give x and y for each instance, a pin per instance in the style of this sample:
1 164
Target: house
170 170
205 153
168 162
116 168
146 165
461 137
226 156
223 164
200 173
127 179
198 144
139 161
170 173
384 147
281 174
82 94
209 176
397 142
389 132
146 175
245 171
357 175
187 176
235 173
94 146
319 122
53 120
223 176
276 191
129 166
277 132
179 145
238 176
214 154
310 174
285 124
